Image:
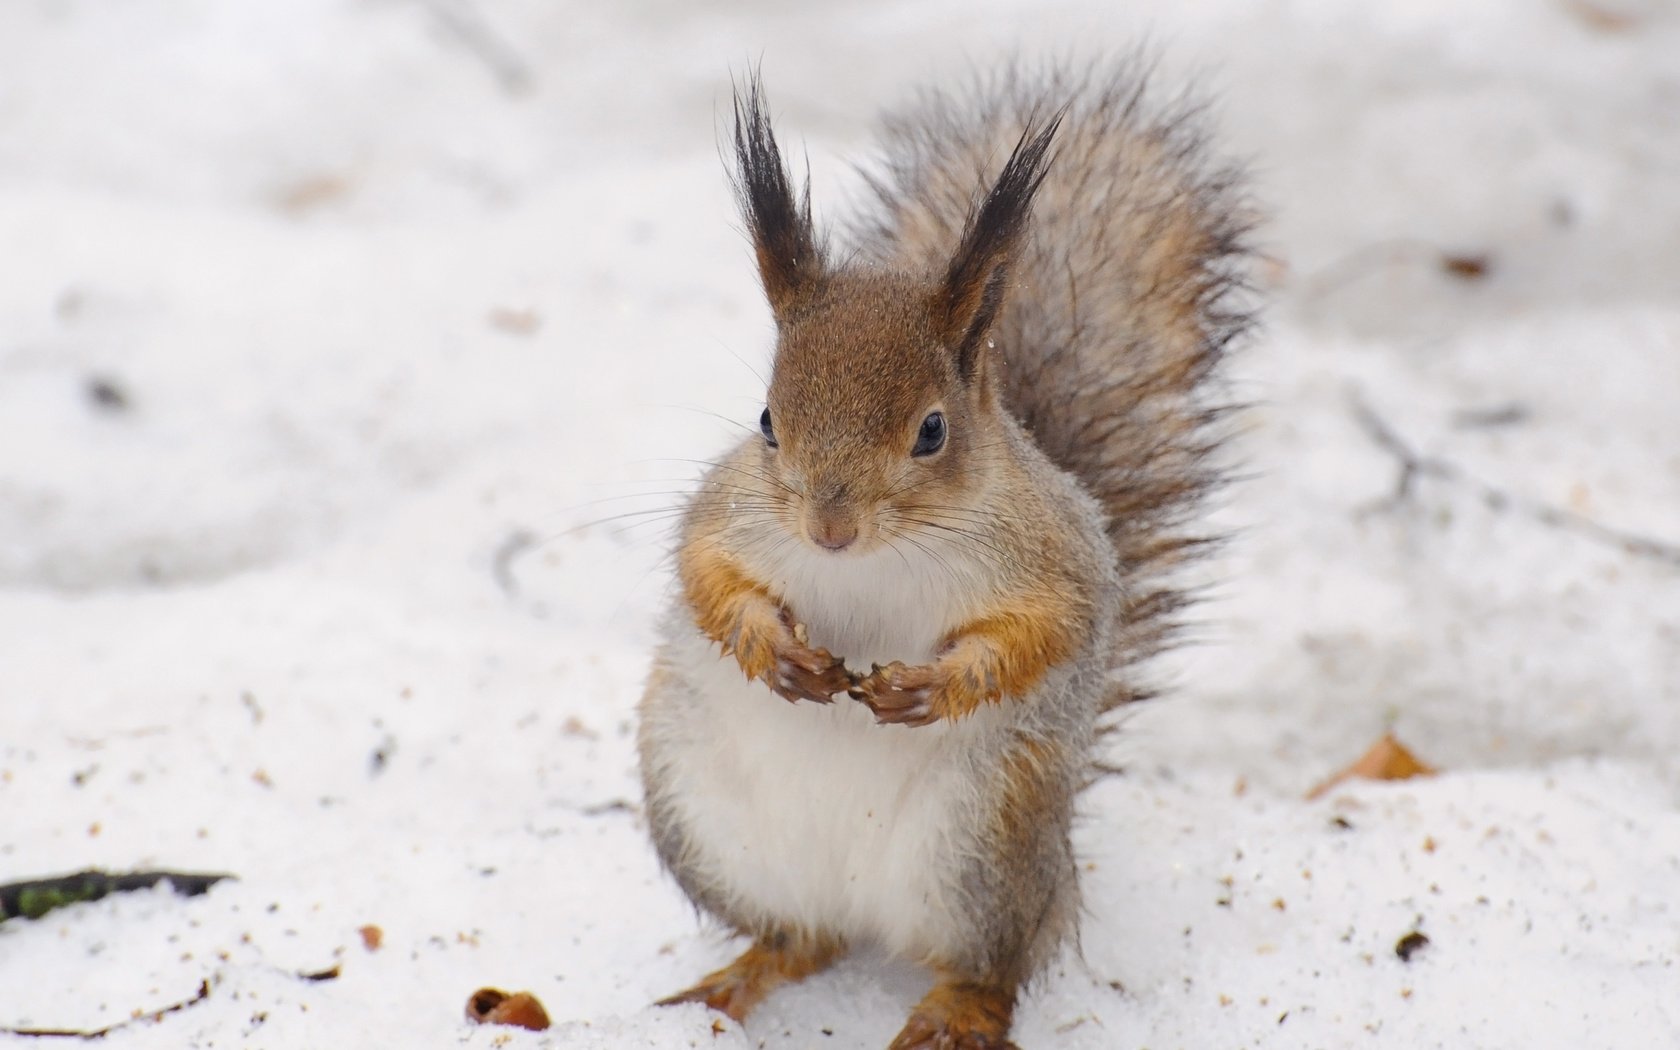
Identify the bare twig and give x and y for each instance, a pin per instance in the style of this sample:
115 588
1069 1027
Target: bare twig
1506 415
611 805
36 897
159 1014
501 563
1414 465
467 24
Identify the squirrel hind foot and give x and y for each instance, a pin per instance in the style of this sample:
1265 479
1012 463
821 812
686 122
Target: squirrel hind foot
772 961
959 1015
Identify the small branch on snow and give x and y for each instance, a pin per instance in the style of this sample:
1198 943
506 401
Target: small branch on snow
467 24
1414 465
36 897
140 1017
1506 415
611 805
501 563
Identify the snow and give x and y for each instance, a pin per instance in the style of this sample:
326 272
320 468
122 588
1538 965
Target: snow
409 302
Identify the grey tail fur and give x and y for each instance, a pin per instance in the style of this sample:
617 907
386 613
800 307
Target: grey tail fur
1125 296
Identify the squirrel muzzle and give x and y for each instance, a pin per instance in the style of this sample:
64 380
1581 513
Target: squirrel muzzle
832 524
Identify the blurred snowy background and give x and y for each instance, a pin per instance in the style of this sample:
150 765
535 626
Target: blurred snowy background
328 327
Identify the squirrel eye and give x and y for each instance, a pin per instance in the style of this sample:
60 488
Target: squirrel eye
766 429
931 438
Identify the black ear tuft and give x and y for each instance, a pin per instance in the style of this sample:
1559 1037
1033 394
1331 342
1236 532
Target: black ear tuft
979 273
789 258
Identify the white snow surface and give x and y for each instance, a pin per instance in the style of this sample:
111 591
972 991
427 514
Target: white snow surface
407 302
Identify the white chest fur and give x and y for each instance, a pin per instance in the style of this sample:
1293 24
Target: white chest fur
890 603
816 815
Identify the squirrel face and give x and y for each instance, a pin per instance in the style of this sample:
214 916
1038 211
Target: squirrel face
869 427
882 400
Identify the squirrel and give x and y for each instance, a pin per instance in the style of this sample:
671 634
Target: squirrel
905 605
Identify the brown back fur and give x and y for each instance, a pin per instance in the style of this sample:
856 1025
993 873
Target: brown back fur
1124 297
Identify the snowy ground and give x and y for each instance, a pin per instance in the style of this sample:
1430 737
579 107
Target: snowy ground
387 301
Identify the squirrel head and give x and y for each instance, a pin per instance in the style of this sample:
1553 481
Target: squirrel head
883 415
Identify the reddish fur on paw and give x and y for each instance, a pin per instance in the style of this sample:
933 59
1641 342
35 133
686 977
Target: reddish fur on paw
900 694
742 617
770 963
983 663
802 673
958 1015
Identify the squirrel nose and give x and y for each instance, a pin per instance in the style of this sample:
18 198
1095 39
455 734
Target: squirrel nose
833 532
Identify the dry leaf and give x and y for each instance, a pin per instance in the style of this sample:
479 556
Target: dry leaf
494 1006
1387 759
306 195
515 321
574 726
1410 945
1601 18
372 937
1466 266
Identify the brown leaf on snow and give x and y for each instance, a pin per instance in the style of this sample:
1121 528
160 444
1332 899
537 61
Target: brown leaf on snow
1600 17
1465 265
1387 759
514 321
312 193
372 937
1410 945
494 1006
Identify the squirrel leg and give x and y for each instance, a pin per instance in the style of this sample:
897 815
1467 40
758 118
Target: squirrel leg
766 643
772 961
960 1014
758 631
983 663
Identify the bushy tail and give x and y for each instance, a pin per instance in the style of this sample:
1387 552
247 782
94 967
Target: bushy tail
1125 297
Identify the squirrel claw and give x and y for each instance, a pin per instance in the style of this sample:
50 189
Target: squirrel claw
802 673
924 1034
899 694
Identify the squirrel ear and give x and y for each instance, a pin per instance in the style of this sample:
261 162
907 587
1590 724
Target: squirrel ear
789 258
978 275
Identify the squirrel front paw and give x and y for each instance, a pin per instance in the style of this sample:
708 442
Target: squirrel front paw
952 687
902 694
771 648
803 673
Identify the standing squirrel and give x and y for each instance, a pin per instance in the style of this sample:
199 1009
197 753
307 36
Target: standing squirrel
907 603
